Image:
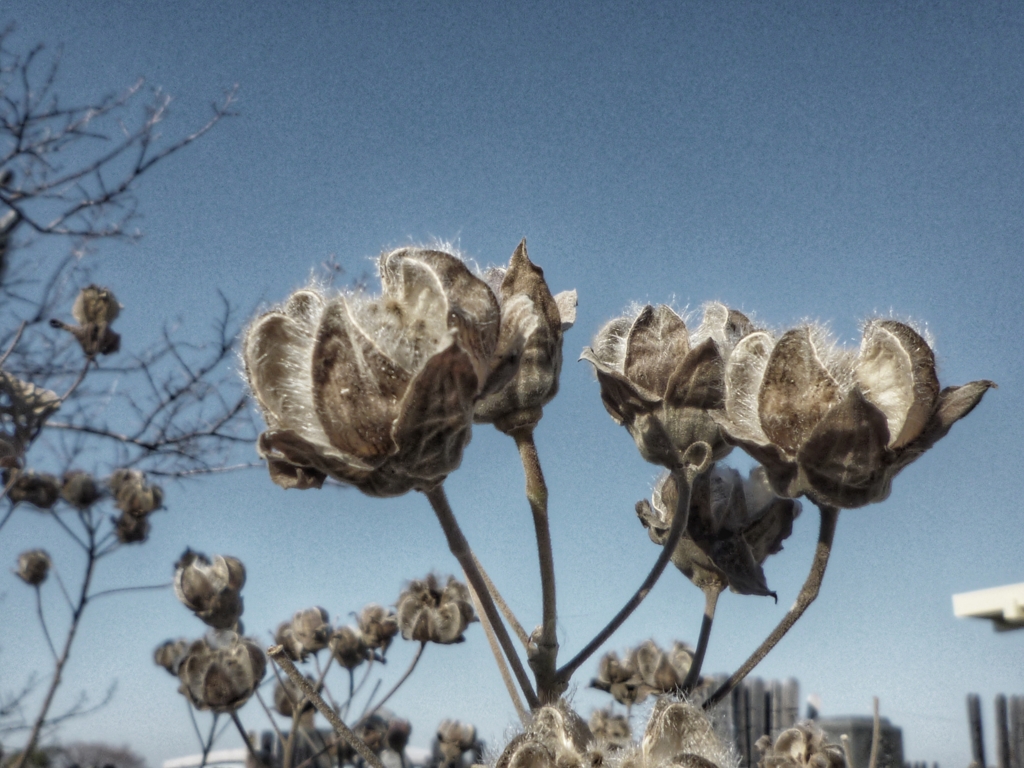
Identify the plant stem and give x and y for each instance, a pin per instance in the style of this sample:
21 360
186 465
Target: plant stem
42 621
544 658
876 733
711 594
460 548
809 591
245 738
106 592
517 628
402 679
277 653
506 677
684 481
270 717
209 740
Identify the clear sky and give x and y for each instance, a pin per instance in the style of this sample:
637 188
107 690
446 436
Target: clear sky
819 160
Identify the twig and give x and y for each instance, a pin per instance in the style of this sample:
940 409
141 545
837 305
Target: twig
402 679
14 342
711 594
809 591
277 653
42 621
696 461
517 628
128 589
195 724
545 657
460 548
245 738
876 734
524 716
270 717
209 740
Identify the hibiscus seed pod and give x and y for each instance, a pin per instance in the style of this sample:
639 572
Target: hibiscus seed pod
133 495
211 590
610 729
378 626
221 671
80 489
289 695
311 629
36 488
428 612
33 566
803 746
170 654
678 729
453 739
131 530
95 304
348 647
374 392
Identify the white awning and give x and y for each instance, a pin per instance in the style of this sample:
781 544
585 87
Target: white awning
1004 606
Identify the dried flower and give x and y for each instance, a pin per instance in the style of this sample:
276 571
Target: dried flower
397 738
429 612
610 730
170 654
36 488
733 526
95 308
348 647
79 489
311 629
661 382
378 626
835 426
802 746
646 670
378 393
33 566
620 678
679 734
221 671
24 409
211 590
556 738
530 312
132 494
289 695
131 530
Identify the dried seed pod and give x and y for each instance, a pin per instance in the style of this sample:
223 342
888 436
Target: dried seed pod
834 425
397 738
732 528
24 409
454 738
620 678
80 489
95 305
679 733
132 494
311 629
610 730
428 612
33 566
378 626
803 746
211 590
131 530
662 383
373 730
36 488
285 637
170 654
528 312
221 671
289 695
348 647
375 392
555 738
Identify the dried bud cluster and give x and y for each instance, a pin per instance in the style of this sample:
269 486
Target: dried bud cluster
136 499
378 626
378 392
211 590
803 746
36 488
24 409
221 671
33 566
733 526
555 738
646 670
835 425
679 734
661 382
428 612
170 654
349 648
311 629
610 730
529 312
95 308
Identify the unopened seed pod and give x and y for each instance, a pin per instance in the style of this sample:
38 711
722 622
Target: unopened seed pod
33 566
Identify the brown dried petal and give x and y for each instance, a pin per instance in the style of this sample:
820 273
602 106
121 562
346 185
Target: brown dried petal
656 344
796 391
699 379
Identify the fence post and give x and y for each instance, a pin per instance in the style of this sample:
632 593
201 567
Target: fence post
1017 731
974 722
1002 733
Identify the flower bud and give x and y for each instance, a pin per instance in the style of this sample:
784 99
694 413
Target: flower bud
132 494
33 566
36 488
79 489
211 590
170 654
311 629
834 425
661 382
348 647
428 612
378 626
221 671
680 734
375 392
803 746
131 530
533 321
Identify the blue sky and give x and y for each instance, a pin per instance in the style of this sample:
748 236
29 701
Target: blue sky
823 160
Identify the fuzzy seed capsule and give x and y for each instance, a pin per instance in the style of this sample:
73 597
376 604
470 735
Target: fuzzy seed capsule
33 567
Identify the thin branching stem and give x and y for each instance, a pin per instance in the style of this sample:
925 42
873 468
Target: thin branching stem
402 679
195 724
506 676
118 590
876 734
42 621
711 594
517 628
460 548
809 591
277 653
270 717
